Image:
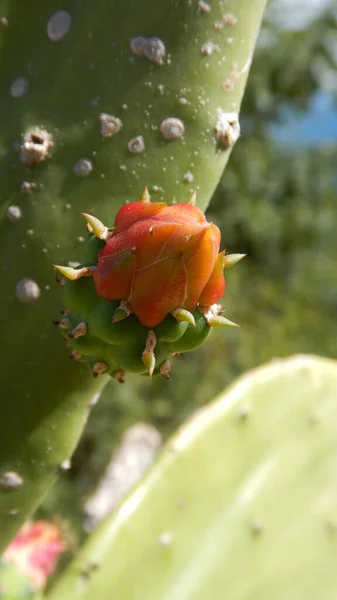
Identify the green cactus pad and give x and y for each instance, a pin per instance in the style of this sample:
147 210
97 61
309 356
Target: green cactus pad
69 75
242 503
14 585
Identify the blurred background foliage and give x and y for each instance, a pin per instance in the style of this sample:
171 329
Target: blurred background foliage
276 202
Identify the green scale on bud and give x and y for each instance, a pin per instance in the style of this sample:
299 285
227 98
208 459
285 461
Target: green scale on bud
149 290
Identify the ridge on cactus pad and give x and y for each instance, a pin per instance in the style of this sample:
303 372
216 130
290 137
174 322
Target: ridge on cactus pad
150 290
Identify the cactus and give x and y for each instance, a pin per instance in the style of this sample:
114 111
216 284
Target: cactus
99 100
243 499
161 264
14 585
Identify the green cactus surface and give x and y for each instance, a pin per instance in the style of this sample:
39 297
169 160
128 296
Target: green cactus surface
98 99
243 499
14 585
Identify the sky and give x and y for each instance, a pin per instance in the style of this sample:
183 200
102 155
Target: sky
318 125
297 14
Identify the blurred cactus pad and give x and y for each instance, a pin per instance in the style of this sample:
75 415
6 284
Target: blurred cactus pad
243 499
98 99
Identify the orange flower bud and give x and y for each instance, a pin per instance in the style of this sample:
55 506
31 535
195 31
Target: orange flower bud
160 258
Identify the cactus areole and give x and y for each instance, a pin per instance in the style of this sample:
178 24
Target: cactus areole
150 290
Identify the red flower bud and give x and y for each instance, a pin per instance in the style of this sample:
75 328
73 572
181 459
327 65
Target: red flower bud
35 551
160 258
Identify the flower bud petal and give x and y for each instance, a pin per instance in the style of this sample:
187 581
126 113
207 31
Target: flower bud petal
199 264
158 289
182 213
134 211
113 275
153 246
216 284
147 236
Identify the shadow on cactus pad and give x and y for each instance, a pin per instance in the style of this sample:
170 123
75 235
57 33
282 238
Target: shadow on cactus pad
149 291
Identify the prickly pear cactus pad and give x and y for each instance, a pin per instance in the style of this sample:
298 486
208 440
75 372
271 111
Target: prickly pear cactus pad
97 99
240 505
149 290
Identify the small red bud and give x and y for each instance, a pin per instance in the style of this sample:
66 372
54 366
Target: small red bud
161 258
